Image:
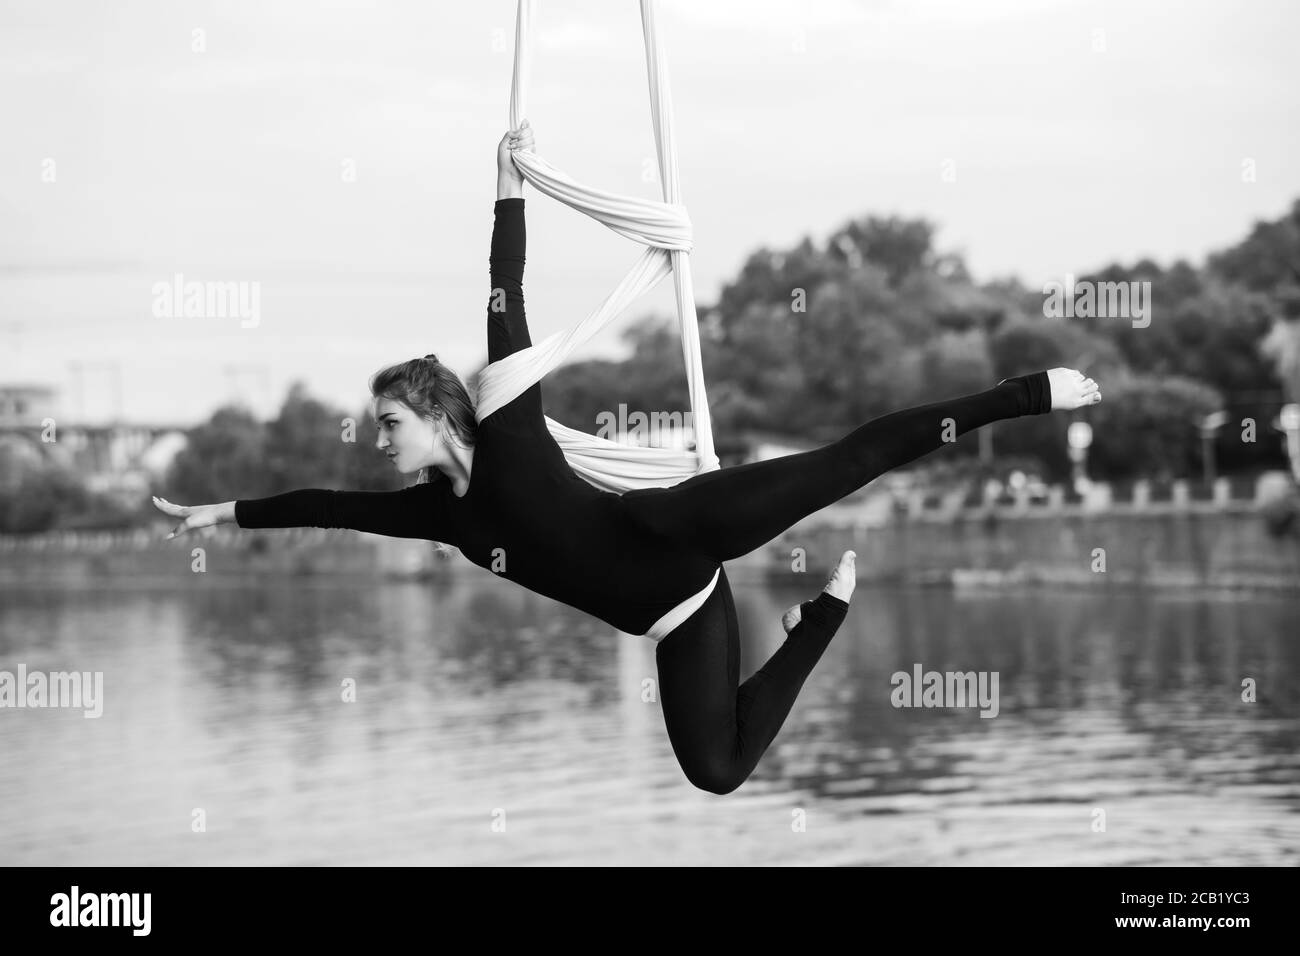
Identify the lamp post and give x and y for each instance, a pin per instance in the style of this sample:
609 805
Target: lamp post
1288 419
1079 437
1209 425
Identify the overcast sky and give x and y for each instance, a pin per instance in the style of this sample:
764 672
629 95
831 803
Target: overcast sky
1073 134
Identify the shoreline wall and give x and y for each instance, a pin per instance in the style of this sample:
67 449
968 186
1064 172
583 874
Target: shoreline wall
1185 547
1188 544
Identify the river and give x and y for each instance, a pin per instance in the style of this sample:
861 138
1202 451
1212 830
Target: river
493 726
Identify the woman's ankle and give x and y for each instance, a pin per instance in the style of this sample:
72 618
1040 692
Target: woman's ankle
826 612
1033 392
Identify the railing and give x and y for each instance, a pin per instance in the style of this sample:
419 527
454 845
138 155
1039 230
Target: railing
141 539
1224 494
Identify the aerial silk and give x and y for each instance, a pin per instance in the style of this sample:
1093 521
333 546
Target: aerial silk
665 230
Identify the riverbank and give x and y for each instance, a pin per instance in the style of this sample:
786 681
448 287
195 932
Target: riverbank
1191 545
1179 543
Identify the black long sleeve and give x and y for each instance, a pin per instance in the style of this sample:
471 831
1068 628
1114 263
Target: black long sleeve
419 511
507 324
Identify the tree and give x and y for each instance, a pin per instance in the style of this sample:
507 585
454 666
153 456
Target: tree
899 246
1147 426
44 498
1281 346
1029 344
222 460
305 445
1266 259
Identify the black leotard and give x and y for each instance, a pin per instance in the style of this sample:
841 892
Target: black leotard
557 534
627 559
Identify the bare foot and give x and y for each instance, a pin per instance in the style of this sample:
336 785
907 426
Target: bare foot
844 577
840 585
1071 389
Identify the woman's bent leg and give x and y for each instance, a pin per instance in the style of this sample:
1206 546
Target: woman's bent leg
730 512
719 730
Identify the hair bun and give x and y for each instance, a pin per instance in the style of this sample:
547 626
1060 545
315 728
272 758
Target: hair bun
431 357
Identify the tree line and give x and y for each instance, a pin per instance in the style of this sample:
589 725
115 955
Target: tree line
812 340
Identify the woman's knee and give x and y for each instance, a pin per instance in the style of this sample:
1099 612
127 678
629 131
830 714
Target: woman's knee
714 775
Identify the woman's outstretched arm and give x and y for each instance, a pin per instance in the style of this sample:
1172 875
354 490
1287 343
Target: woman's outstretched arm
415 512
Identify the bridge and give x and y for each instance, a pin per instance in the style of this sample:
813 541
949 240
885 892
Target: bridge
119 459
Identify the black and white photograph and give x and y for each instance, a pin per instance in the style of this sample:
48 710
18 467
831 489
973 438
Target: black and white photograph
650 433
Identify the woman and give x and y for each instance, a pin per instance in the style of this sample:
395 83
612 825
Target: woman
503 493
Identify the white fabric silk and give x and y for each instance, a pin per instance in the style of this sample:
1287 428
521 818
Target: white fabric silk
665 229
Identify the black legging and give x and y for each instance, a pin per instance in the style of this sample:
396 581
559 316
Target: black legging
719 728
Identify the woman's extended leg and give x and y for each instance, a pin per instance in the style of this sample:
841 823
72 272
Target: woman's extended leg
719 728
730 512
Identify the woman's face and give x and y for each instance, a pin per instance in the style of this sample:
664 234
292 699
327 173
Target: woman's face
410 441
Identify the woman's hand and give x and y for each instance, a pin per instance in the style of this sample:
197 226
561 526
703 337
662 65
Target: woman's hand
514 139
193 516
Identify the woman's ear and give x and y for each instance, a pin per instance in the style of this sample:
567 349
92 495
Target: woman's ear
440 426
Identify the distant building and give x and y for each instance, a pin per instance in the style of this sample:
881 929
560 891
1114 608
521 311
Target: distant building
25 406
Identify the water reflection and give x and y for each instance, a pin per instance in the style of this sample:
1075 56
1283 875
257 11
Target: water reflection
476 701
